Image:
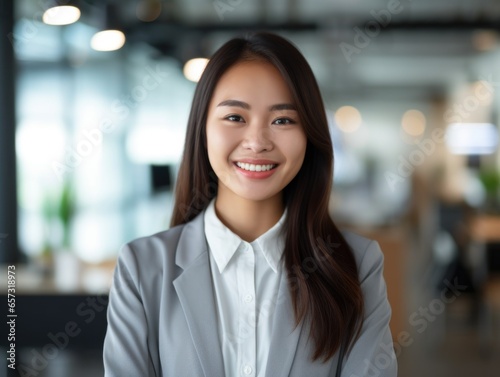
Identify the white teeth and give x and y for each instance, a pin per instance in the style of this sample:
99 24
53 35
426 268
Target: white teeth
252 167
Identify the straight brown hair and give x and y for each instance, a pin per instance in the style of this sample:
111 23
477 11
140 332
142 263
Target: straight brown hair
321 269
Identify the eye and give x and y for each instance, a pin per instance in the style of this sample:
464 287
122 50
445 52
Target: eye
234 118
284 121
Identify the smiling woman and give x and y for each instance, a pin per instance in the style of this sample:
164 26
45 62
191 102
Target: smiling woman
253 278
255 142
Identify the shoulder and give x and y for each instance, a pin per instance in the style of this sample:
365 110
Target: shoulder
155 243
145 255
165 252
367 253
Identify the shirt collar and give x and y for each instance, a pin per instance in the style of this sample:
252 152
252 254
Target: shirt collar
223 243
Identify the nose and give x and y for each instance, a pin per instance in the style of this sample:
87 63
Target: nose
258 139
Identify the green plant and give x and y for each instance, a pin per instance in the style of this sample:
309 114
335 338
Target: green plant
58 208
66 211
491 181
48 214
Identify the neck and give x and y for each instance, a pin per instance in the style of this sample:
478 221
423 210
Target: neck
248 218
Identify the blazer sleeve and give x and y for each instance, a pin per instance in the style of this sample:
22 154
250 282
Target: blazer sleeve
126 345
373 353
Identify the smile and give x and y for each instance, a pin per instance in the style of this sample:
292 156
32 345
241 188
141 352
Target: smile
252 167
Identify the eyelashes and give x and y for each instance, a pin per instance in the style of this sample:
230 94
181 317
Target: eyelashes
279 121
285 120
234 118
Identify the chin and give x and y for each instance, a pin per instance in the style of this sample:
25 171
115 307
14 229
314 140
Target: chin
255 195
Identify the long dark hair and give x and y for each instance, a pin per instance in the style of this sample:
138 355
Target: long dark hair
322 272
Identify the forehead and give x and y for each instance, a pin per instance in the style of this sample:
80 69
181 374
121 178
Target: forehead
257 79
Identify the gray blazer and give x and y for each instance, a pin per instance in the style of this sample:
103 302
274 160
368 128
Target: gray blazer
162 314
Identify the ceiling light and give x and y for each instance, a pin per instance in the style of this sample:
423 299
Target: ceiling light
413 122
110 37
194 68
348 118
484 40
148 10
472 138
107 40
61 15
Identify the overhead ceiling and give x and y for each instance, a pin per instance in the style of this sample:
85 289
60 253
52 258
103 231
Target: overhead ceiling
419 48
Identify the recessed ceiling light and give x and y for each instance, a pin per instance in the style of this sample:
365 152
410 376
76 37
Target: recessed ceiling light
107 40
61 15
348 119
484 40
194 68
413 122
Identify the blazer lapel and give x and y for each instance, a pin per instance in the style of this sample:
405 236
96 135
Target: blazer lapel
285 336
195 289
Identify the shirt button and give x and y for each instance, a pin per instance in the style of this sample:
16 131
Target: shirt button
247 369
248 298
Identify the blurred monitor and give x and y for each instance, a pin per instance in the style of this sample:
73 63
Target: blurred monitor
160 178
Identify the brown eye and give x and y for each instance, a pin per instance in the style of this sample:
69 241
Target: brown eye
283 121
234 118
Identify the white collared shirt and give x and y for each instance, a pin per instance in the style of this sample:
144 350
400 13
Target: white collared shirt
246 278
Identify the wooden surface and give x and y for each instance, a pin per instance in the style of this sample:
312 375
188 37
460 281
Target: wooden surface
485 228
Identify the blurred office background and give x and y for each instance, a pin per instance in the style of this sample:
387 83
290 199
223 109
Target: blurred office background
92 129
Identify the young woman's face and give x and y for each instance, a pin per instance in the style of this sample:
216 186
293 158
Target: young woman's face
255 140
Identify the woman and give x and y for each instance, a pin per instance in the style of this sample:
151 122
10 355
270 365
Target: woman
253 278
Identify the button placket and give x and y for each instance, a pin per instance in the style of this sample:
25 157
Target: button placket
247 326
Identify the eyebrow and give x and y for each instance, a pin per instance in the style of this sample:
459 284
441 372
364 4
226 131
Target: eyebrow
246 106
283 106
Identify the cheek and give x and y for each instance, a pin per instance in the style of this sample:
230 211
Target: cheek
219 145
296 146
210 145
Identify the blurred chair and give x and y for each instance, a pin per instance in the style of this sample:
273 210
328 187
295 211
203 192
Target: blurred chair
448 267
485 236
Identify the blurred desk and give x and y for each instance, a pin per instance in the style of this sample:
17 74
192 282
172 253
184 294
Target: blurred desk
485 228
49 315
31 280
